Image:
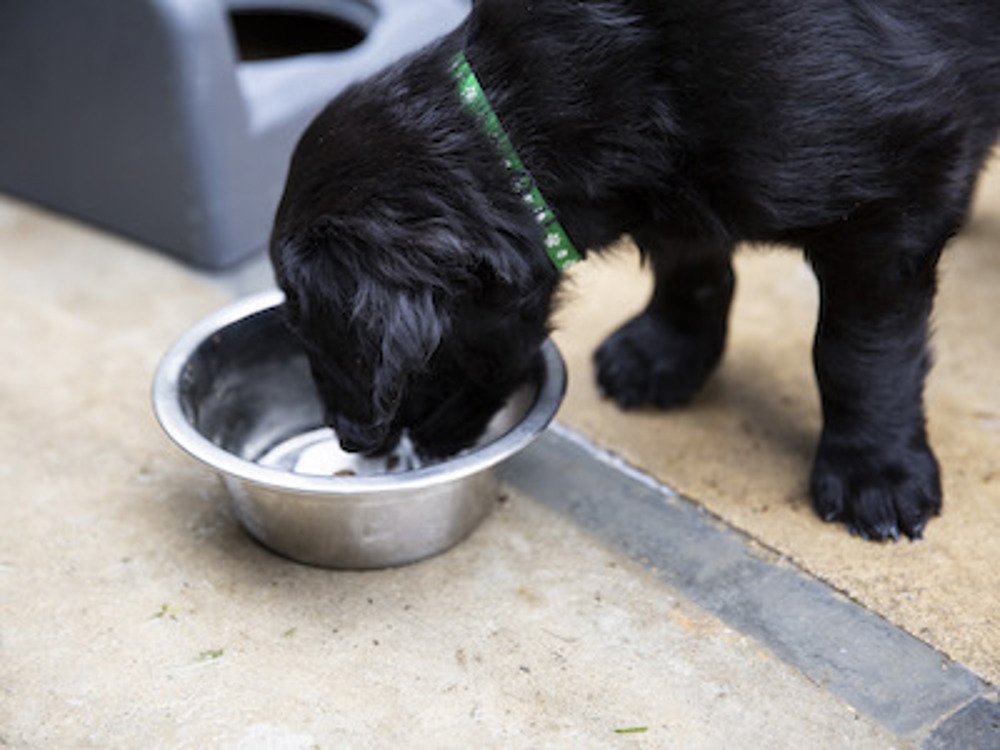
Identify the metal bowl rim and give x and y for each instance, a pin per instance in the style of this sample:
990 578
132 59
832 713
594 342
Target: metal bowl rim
166 403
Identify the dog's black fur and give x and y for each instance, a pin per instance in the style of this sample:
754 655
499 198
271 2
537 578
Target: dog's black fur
855 129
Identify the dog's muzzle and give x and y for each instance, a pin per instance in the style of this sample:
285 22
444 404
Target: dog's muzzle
369 440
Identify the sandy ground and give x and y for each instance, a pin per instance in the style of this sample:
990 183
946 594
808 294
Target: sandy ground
135 612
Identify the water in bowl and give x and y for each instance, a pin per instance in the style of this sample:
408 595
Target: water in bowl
318 453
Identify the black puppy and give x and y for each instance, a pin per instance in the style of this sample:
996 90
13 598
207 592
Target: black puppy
416 274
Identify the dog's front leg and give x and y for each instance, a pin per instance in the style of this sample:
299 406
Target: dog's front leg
663 356
874 470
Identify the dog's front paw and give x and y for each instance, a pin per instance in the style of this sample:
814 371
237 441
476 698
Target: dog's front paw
647 362
878 493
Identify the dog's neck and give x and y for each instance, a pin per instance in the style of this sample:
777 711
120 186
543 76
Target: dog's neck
558 245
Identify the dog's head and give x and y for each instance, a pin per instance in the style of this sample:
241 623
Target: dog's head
413 276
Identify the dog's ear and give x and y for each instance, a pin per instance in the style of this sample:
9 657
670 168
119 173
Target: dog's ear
380 312
408 327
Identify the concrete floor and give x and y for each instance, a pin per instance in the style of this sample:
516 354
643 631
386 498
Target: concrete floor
594 608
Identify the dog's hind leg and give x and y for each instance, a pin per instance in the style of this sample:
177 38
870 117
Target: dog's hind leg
664 355
873 469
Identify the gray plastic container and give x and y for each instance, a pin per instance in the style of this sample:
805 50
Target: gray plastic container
172 121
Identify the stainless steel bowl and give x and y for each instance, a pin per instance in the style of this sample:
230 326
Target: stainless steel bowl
235 392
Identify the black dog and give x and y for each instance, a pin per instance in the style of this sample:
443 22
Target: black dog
417 279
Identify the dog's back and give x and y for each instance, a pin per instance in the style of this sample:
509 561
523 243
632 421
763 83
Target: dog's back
818 106
770 117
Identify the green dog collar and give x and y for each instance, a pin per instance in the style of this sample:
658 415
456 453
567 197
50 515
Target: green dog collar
557 243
